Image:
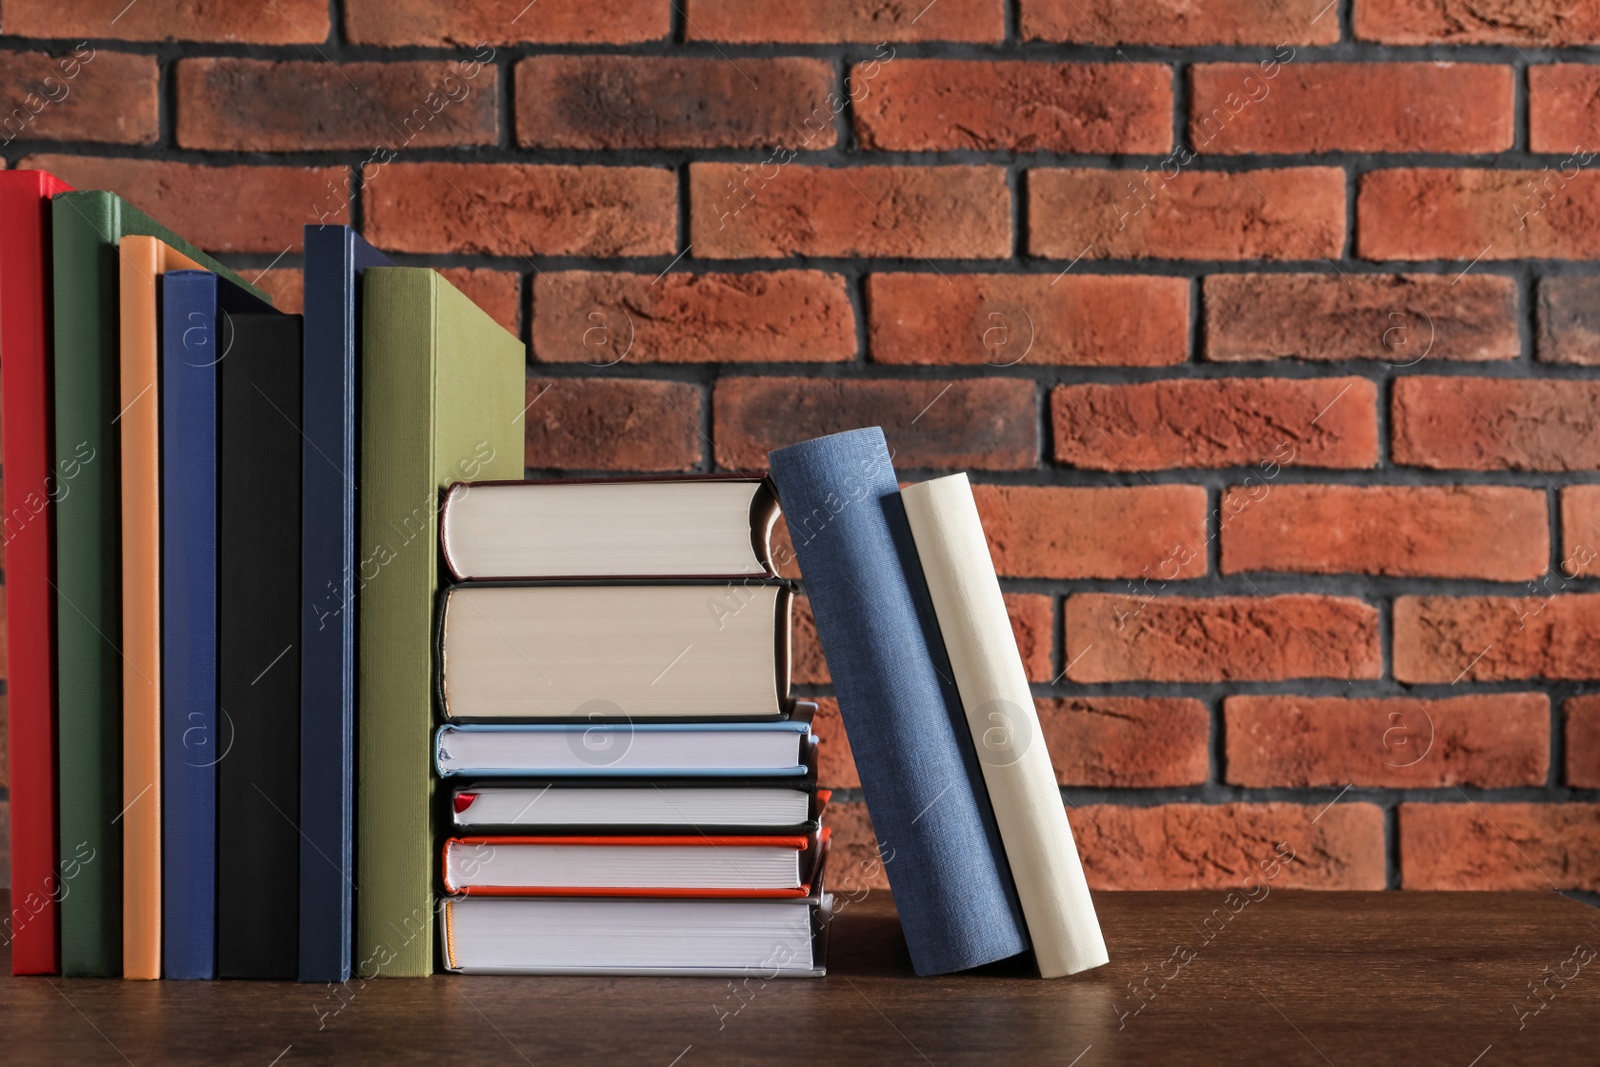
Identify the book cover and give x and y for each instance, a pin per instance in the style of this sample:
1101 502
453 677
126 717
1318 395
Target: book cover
258 783
919 771
442 401
335 257
85 267
1005 726
142 261
32 485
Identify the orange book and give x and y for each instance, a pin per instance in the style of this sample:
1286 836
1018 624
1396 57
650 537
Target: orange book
143 260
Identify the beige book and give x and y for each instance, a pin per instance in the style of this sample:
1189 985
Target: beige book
1005 727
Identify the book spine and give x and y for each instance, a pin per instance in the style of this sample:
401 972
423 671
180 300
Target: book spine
399 504
88 580
1005 727
141 260
919 772
258 783
31 487
190 743
327 614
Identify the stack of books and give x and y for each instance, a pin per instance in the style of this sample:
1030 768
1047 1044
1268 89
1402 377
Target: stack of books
631 787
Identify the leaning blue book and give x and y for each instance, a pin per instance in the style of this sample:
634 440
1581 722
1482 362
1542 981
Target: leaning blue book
919 770
335 257
194 339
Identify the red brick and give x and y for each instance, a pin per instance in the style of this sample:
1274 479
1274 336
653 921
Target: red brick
394 23
1032 624
285 285
1217 422
1127 742
300 105
514 209
1507 22
921 105
1494 532
1296 213
1114 638
1464 214
1102 22
220 209
1500 846
610 424
1496 424
779 317
1582 715
1397 318
855 866
739 211
1216 846
297 22
1569 320
828 21
499 292
79 94
783 558
1152 531
614 101
1580 530
1488 740
1539 634
986 423
1086 320
1562 109
836 767
1382 107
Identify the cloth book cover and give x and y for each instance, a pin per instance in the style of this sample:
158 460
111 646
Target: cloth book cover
85 230
32 485
909 735
335 257
258 783
442 389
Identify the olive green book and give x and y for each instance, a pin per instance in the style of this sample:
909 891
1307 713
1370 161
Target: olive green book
441 402
86 228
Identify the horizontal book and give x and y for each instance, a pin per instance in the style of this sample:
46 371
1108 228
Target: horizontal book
696 650
697 865
631 803
704 938
639 749
696 526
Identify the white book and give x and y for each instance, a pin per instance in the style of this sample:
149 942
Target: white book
1005 727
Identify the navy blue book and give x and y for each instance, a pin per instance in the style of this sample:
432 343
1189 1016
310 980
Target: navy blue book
919 771
335 258
192 739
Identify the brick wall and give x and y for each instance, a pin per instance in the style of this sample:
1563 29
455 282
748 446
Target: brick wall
1265 327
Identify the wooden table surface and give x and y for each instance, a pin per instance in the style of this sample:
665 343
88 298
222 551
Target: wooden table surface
1291 978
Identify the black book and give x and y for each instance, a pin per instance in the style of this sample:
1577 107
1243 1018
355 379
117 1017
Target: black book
258 782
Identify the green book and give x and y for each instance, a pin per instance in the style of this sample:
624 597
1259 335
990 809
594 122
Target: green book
86 228
441 402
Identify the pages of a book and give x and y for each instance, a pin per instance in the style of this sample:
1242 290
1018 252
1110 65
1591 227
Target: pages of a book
1005 727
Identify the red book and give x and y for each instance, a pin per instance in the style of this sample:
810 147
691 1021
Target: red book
32 485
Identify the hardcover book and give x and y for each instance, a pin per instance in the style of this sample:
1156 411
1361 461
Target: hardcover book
335 258
86 227
258 783
919 770
603 748
32 485
442 398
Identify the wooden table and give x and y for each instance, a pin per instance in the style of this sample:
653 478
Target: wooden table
1292 978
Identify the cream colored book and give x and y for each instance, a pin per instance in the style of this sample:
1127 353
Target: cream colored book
1005 727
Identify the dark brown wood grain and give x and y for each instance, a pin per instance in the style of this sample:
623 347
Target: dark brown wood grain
1291 978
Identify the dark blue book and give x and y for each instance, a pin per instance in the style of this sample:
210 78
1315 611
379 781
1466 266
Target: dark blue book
189 741
334 259
919 771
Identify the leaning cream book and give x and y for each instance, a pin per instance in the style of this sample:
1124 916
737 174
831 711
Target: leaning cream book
994 690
